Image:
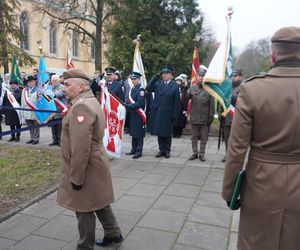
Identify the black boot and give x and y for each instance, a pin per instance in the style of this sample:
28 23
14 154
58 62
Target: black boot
12 138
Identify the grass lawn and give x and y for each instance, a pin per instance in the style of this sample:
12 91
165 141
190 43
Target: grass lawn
26 172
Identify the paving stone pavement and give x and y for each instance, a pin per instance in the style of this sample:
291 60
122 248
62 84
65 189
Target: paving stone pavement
160 204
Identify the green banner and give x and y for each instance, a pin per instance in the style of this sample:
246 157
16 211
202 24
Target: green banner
15 71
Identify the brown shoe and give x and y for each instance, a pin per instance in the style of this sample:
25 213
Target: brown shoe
193 157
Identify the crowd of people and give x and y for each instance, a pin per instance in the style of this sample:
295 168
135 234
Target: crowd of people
24 95
166 104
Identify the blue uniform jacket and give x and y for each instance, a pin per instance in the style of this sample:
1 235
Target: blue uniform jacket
137 128
116 87
164 108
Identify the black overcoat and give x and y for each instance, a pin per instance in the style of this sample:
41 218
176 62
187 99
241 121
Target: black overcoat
11 116
137 127
164 108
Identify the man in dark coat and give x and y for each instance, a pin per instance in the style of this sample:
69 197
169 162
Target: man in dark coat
164 109
11 115
114 85
136 105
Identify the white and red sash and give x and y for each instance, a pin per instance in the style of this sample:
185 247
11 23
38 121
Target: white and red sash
11 98
27 99
140 111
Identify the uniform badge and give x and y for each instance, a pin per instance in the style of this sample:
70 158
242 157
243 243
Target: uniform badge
142 93
80 118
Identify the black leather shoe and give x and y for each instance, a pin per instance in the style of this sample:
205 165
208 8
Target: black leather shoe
193 157
136 156
29 142
202 158
224 159
17 139
53 143
130 153
12 139
160 154
108 241
167 155
35 142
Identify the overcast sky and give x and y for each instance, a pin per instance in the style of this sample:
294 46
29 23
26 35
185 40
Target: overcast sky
252 19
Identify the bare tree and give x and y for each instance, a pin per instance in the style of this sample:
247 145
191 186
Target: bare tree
87 17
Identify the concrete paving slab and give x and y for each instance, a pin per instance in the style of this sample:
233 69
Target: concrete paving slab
61 228
211 199
7 244
184 247
157 179
163 220
146 190
20 226
203 236
46 208
34 242
133 203
148 239
183 190
210 215
174 203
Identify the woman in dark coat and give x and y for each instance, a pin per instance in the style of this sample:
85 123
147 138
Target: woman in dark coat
11 116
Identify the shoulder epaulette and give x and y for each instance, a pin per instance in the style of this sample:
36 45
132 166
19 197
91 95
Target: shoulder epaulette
263 75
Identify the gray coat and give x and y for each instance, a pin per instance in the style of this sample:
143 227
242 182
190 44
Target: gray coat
202 106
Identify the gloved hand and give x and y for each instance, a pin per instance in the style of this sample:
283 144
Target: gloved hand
76 187
237 205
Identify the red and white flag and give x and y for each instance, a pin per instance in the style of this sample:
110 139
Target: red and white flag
115 114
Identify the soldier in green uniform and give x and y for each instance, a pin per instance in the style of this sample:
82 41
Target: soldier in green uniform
201 116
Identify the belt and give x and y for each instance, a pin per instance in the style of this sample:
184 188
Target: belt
268 157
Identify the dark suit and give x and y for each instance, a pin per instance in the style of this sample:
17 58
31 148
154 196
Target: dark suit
164 111
137 127
116 87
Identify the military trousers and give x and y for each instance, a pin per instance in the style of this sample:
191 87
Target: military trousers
137 145
35 132
227 130
164 144
56 132
87 226
199 130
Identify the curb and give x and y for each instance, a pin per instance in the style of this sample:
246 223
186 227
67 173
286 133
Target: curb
26 204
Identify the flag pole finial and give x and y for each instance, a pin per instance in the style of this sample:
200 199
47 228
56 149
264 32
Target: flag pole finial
138 39
230 11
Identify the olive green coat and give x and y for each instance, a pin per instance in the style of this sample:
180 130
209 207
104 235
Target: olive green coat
84 160
202 105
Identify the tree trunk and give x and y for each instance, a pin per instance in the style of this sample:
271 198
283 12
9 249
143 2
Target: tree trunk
3 46
98 41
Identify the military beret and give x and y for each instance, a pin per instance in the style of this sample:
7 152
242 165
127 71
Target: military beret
75 73
135 74
287 35
31 78
238 72
110 70
166 69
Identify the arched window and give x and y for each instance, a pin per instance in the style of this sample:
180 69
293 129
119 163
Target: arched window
75 39
52 37
24 28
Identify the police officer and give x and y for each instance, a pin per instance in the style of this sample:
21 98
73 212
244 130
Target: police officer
114 85
267 120
86 185
136 105
236 82
164 109
201 116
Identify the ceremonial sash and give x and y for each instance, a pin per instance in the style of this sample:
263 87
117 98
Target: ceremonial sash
139 111
27 100
11 98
